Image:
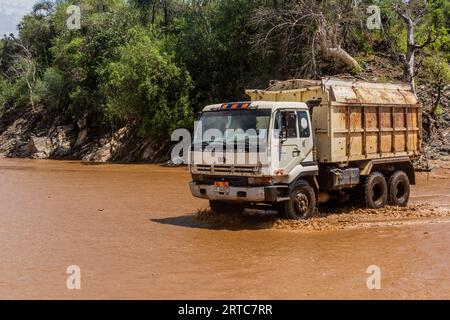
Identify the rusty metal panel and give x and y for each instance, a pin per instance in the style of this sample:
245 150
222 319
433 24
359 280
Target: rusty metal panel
372 96
400 142
343 94
339 148
399 120
371 118
372 143
386 142
297 95
385 117
339 118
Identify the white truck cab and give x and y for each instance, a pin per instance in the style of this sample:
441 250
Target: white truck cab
260 172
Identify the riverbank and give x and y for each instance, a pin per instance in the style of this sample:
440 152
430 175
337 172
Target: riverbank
44 134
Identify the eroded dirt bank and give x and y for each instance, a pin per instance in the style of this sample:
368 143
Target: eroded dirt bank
135 233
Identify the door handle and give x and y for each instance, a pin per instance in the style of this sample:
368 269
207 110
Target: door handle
296 153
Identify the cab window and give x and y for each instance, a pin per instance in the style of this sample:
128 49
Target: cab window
303 124
289 120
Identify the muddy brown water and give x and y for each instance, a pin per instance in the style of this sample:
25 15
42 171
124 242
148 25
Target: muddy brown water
134 232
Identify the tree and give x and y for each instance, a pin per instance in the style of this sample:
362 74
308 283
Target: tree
309 26
412 13
43 7
25 70
8 53
80 56
436 73
36 33
145 85
150 8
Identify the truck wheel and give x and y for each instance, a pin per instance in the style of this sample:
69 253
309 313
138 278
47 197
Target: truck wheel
399 189
302 202
375 191
223 207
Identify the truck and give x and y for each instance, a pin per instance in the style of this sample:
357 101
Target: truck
332 138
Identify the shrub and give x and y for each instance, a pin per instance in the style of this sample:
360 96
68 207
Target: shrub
146 84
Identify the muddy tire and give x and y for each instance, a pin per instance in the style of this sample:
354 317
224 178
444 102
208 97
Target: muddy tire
399 189
223 207
375 191
302 202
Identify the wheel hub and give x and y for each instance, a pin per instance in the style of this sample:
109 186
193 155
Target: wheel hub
301 202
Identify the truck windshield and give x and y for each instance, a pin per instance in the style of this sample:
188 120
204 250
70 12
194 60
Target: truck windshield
233 127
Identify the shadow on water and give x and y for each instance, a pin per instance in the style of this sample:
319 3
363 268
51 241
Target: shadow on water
249 220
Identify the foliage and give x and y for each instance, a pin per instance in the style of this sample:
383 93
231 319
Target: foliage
50 88
145 83
158 62
436 73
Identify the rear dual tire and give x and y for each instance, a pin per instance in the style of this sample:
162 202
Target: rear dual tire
399 189
375 191
378 192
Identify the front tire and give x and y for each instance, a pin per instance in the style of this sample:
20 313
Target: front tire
399 189
375 191
302 202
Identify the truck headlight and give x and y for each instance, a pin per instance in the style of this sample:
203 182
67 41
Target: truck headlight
260 181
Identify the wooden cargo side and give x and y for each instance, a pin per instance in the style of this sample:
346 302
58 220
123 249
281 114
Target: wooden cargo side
373 120
362 131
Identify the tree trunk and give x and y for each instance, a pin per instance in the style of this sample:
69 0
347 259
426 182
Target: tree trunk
166 14
336 53
408 72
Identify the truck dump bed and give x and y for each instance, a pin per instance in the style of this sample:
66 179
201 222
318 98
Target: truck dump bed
356 120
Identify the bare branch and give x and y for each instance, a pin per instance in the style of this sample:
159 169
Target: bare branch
289 25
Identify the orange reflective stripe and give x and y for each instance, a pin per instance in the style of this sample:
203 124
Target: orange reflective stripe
236 106
221 184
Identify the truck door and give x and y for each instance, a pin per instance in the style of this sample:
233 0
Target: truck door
290 144
305 136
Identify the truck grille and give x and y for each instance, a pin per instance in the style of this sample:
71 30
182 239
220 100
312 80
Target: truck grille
204 168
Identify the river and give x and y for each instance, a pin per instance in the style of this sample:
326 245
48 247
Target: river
132 231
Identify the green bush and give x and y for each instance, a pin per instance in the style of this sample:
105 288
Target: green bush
51 90
145 84
5 94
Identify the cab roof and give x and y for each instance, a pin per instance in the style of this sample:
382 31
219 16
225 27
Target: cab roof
249 105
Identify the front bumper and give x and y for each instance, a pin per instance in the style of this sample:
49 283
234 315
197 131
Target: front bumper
269 194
